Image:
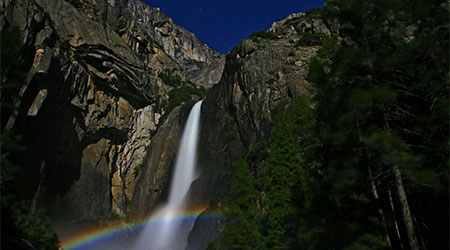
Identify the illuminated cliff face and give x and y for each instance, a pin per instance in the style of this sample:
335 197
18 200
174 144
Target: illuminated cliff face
105 142
179 43
96 97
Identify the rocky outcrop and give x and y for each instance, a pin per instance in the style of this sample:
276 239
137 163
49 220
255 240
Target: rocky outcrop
261 79
210 75
180 44
297 24
153 177
90 105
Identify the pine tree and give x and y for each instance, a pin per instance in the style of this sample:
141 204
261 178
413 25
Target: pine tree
243 228
376 95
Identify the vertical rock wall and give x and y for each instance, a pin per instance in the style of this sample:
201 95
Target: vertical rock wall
261 78
91 104
180 44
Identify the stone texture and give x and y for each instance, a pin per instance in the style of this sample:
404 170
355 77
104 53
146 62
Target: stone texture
260 80
37 103
101 142
210 75
153 181
301 25
92 102
182 45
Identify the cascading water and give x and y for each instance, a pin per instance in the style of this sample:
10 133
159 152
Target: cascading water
171 233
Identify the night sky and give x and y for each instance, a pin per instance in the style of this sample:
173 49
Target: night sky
223 24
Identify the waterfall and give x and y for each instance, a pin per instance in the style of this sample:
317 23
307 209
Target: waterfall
172 233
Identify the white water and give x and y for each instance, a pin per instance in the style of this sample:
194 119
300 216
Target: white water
170 233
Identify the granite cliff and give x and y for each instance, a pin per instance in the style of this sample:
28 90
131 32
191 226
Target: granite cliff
180 44
94 98
93 107
262 78
100 125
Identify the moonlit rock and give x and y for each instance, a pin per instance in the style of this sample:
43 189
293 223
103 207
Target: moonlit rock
172 233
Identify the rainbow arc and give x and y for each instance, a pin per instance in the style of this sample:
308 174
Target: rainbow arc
83 239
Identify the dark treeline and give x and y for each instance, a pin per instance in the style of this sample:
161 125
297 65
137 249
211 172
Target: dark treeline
21 226
367 168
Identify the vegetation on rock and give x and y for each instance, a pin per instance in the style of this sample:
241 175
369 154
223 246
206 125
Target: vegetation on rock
310 15
171 80
311 39
263 35
266 185
183 94
367 168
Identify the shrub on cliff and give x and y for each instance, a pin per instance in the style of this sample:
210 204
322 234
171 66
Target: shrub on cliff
182 94
263 35
311 39
171 80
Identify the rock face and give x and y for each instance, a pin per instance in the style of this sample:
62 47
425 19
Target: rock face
261 79
297 24
93 101
210 75
152 183
180 44
92 108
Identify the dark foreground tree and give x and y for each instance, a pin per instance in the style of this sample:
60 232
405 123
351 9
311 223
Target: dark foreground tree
382 95
368 168
21 227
